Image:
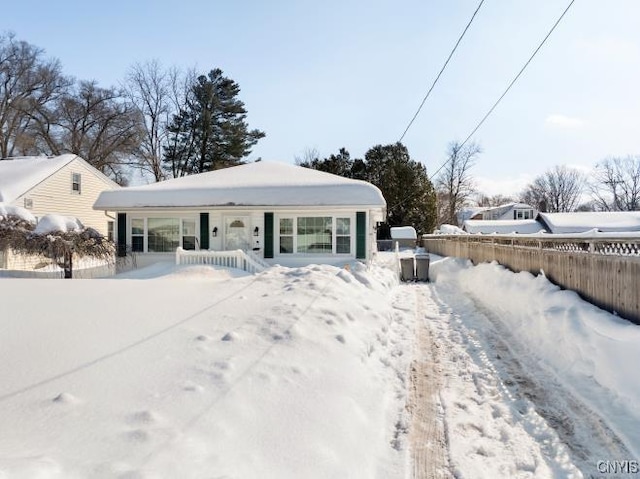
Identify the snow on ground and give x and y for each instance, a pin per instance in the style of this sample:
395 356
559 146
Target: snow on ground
528 359
198 372
303 373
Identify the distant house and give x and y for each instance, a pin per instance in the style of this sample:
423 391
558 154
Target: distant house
509 211
65 185
503 226
582 222
283 213
561 223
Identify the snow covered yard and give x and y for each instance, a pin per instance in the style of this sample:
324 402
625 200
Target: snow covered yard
312 372
196 373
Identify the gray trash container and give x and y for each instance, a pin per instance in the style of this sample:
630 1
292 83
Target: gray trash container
422 267
407 269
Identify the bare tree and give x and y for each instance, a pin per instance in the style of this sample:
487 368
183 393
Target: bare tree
95 123
557 190
28 82
309 156
454 184
150 89
616 185
493 200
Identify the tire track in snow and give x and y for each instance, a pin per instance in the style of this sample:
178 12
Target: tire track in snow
529 389
584 432
427 441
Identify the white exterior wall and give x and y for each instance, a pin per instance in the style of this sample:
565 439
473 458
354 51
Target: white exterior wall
55 196
256 243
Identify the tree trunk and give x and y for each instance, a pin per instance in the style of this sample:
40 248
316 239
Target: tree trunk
68 265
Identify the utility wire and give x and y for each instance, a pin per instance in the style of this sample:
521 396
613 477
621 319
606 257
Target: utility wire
441 70
510 84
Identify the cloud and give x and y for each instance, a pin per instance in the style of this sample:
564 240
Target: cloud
562 121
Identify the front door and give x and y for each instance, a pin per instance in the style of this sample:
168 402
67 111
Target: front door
236 233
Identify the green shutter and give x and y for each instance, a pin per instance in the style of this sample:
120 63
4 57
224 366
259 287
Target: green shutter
204 230
268 235
122 234
361 235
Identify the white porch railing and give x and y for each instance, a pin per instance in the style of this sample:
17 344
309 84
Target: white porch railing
229 259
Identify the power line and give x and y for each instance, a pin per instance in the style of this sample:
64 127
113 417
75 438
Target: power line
510 84
441 70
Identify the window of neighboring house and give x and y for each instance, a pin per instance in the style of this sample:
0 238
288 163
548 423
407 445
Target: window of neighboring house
75 183
286 235
523 214
189 234
137 234
343 235
110 225
163 235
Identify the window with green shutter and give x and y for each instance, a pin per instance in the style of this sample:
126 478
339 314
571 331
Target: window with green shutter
122 234
204 230
361 235
268 235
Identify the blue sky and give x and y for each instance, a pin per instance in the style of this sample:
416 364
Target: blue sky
352 73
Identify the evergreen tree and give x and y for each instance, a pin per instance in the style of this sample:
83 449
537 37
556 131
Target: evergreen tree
210 129
340 164
410 195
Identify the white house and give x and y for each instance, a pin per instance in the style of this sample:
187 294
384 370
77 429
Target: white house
503 226
508 211
65 185
582 222
283 213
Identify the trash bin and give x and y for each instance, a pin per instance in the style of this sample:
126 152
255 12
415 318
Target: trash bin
422 267
407 269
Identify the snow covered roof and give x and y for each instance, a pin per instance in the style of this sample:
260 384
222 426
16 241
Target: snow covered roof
19 175
615 221
503 226
403 232
263 183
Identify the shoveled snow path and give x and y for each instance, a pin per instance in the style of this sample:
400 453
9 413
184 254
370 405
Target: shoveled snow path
503 415
492 429
427 442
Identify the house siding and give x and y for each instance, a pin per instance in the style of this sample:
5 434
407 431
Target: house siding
266 243
54 196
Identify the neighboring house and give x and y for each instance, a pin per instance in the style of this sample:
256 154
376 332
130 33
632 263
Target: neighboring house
502 226
283 213
582 222
509 211
561 223
65 185
468 212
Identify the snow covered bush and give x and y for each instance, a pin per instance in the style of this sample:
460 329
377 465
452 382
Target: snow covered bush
55 237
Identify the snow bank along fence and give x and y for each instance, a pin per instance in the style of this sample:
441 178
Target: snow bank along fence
239 259
604 271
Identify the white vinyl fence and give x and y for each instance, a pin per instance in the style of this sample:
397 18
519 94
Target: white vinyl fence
229 259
